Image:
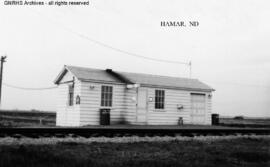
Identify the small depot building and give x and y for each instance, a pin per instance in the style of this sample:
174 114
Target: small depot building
130 98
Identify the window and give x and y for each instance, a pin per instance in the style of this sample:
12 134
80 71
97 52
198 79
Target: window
70 95
159 99
106 96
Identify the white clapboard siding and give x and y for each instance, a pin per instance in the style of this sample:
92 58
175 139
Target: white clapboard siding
170 114
67 115
91 103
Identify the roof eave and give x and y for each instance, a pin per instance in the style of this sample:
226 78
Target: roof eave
101 81
60 75
178 88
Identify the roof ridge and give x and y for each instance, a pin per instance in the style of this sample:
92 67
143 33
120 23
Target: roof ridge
154 75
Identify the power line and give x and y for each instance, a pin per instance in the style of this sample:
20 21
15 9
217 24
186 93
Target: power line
54 87
109 46
26 88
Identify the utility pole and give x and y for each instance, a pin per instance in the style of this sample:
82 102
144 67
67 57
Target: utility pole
3 59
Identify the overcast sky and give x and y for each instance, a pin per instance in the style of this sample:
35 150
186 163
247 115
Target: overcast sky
229 50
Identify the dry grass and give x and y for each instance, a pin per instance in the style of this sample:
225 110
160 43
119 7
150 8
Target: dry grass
17 118
246 122
136 151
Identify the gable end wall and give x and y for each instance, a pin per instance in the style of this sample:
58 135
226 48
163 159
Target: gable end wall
67 115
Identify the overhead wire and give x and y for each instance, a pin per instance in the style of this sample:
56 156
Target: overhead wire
27 88
54 87
93 41
81 35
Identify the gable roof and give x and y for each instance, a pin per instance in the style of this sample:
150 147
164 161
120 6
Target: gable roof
82 73
173 82
90 74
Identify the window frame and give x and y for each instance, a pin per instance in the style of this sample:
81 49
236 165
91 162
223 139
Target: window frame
71 95
106 99
159 99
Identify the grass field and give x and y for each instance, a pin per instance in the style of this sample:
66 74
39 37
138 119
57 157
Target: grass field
246 122
34 118
19 118
228 152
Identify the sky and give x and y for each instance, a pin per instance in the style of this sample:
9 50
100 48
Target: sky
229 50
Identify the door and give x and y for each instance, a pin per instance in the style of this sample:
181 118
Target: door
142 106
198 109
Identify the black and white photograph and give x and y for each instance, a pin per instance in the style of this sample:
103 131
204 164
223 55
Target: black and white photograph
134 83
